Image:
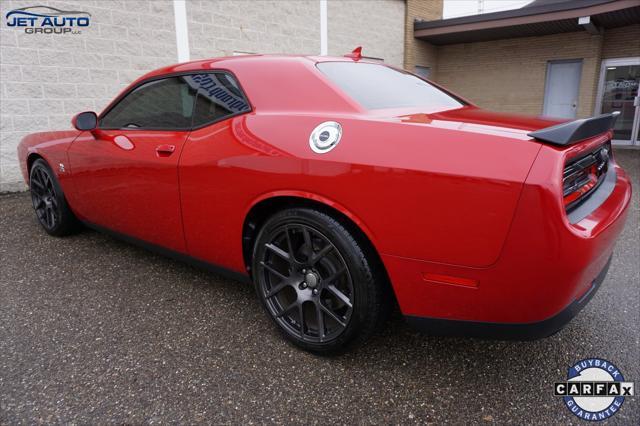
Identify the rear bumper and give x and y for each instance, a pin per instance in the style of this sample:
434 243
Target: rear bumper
509 331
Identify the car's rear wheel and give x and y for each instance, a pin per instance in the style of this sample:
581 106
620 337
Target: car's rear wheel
49 202
315 282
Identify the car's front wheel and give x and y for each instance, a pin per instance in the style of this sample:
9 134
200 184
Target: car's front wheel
49 202
315 281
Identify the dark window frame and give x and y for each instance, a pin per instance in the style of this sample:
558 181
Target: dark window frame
191 128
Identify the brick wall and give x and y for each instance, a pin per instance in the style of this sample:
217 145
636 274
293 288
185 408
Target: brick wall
509 75
621 42
419 52
377 26
46 79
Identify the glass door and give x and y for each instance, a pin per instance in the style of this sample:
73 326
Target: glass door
618 91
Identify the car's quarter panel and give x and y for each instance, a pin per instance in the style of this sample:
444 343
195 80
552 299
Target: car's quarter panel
123 181
426 192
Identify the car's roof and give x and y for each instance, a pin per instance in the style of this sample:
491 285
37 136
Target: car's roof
263 78
230 61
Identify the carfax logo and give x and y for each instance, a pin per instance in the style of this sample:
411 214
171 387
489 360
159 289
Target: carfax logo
595 389
48 20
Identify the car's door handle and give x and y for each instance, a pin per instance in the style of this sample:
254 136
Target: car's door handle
165 150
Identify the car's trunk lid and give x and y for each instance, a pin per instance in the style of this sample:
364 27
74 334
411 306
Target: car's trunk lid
471 119
540 129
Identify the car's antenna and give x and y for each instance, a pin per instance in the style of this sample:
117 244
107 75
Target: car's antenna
356 54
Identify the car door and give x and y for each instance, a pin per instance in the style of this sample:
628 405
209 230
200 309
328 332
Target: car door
125 173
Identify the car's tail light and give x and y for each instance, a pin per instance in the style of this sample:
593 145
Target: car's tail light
583 175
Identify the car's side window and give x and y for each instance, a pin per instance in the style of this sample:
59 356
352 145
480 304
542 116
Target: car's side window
178 103
164 104
219 96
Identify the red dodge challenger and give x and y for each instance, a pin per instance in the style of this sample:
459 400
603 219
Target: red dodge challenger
340 187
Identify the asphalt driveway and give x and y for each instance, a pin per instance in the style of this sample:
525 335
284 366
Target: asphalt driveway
93 330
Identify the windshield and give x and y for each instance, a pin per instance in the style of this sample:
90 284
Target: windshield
376 86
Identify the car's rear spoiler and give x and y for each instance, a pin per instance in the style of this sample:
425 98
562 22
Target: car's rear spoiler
573 131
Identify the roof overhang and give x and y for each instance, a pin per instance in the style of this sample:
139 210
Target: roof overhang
550 18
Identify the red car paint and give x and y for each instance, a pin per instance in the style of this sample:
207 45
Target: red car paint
464 209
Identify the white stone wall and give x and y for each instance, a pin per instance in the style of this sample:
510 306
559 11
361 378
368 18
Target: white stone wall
46 79
377 26
220 28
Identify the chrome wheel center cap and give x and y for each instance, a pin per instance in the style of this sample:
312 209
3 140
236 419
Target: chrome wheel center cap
311 279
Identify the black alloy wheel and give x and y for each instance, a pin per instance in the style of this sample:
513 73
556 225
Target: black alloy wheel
48 200
314 281
43 196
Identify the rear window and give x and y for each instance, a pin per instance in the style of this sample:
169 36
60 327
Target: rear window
377 87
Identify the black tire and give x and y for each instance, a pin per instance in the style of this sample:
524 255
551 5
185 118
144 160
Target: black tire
325 301
49 203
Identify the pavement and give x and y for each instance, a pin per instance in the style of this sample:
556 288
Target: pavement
93 330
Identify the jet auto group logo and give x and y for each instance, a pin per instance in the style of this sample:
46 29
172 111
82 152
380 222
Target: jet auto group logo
48 20
595 389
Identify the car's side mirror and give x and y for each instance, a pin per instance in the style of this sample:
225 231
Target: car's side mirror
87 120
